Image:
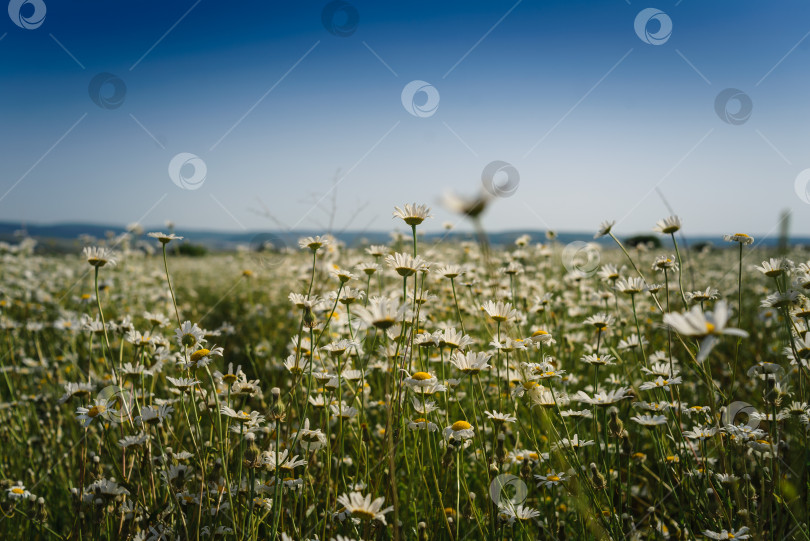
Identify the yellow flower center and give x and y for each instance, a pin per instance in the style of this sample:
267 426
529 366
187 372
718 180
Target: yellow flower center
362 514
421 376
553 478
420 420
539 332
96 410
18 490
461 425
199 354
709 328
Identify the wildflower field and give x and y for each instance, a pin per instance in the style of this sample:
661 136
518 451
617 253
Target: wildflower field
424 389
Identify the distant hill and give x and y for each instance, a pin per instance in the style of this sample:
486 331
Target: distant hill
64 237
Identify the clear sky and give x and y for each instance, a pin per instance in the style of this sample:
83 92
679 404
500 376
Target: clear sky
594 104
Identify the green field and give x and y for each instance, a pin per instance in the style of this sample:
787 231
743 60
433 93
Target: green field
416 390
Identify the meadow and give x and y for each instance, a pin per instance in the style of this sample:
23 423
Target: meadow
427 390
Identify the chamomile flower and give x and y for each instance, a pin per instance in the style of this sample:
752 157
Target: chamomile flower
500 418
18 492
189 335
600 321
163 237
741 238
551 479
412 214
742 533
660 383
460 430
314 243
602 398
99 256
669 225
470 363
100 408
499 311
706 326
604 228
363 508
521 513
650 420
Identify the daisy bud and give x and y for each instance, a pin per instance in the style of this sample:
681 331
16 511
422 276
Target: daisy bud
526 469
615 424
597 478
309 318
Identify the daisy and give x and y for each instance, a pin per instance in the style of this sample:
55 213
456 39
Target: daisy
546 398
99 408
133 441
202 357
551 479
363 507
600 321
189 335
460 430
182 384
742 533
381 312
311 440
499 311
252 417
420 379
405 264
451 271
454 339
471 207
774 267
422 424
660 383
154 415
650 420
18 492
630 286
705 326
75 389
412 214
664 262
574 443
605 359
470 363
98 256
700 433
500 418
164 238
709 294
668 226
603 398
281 460
314 243
604 228
520 513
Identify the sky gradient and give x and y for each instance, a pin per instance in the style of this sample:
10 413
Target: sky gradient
281 110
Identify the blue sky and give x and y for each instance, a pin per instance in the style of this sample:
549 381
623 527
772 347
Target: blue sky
595 120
